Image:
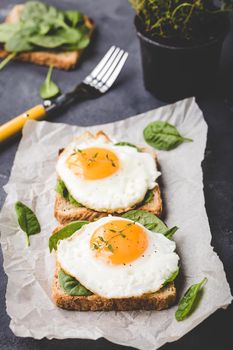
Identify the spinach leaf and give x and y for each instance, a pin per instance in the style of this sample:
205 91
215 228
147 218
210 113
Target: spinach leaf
163 136
7 60
81 44
18 43
150 221
148 197
170 232
44 26
65 232
33 10
49 89
48 41
73 201
61 188
73 17
172 277
27 220
71 286
187 303
123 143
7 30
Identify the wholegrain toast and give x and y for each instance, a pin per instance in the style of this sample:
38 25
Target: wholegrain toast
61 60
66 212
160 300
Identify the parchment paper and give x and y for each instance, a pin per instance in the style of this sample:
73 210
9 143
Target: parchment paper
30 270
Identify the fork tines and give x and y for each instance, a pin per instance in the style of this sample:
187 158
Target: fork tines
107 70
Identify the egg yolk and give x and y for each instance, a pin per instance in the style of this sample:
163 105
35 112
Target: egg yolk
119 242
93 163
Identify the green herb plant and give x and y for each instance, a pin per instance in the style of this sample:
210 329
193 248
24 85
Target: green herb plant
49 89
181 22
188 302
163 136
44 27
27 220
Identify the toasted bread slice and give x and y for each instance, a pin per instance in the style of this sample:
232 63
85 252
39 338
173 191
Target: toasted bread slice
66 212
159 300
60 60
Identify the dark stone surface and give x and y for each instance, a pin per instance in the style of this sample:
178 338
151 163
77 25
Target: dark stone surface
19 85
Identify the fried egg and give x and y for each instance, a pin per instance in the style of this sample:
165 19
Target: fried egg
106 177
115 258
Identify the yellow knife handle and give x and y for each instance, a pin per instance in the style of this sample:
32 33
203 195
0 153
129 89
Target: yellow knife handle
14 125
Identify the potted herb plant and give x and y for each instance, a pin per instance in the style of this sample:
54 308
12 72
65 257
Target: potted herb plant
180 43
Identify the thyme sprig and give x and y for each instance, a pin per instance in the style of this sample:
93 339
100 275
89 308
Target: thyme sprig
111 160
105 243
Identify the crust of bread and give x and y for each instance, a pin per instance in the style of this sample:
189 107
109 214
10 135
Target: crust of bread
66 212
60 60
159 300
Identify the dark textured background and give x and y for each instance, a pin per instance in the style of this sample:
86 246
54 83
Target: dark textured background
19 85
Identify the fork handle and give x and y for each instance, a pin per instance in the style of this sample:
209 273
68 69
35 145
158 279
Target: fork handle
16 124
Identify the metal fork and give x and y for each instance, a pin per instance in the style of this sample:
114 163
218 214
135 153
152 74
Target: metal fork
97 83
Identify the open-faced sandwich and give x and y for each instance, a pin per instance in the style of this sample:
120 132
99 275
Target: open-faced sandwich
45 35
97 177
115 263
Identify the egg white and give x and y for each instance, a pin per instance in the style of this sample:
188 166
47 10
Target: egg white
144 275
125 188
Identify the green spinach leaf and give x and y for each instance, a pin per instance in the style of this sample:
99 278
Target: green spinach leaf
81 44
71 286
172 277
123 143
47 41
148 197
65 232
61 188
186 304
73 17
7 60
150 221
18 43
7 30
170 232
27 220
33 10
73 201
43 26
49 89
163 136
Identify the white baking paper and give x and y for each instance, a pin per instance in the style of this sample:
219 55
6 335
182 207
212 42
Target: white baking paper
30 270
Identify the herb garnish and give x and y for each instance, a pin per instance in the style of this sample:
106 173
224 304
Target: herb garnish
105 243
111 160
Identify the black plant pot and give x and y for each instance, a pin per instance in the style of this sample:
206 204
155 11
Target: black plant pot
172 72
